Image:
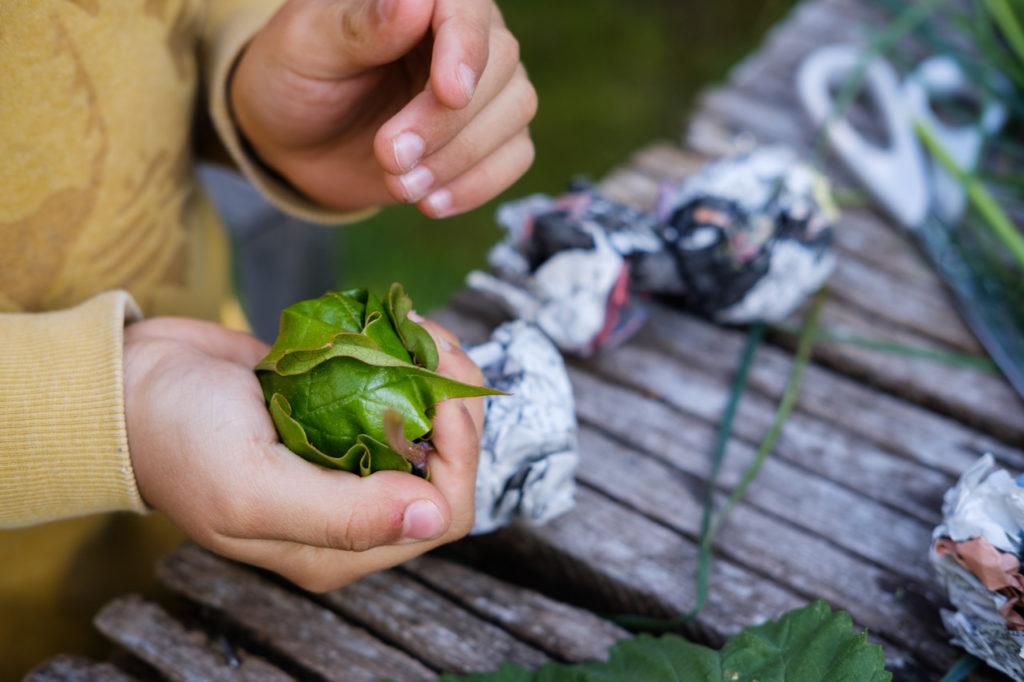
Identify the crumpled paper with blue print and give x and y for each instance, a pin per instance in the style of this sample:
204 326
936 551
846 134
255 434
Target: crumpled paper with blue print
529 451
986 503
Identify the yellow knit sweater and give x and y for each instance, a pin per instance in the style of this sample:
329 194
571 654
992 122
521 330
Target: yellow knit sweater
101 220
98 198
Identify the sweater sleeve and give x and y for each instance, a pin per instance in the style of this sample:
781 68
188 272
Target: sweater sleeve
64 445
230 25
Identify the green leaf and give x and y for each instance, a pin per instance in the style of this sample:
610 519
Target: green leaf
810 643
415 337
340 362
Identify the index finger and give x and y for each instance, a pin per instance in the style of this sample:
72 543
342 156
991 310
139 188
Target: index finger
461 48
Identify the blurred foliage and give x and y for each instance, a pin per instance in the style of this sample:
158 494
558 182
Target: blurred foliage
986 39
611 77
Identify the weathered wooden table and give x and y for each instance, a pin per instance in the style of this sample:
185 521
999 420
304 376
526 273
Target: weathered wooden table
843 509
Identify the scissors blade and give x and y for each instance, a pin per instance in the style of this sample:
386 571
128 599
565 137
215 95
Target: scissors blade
991 317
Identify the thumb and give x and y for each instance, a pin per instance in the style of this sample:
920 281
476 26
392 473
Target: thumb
333 39
303 503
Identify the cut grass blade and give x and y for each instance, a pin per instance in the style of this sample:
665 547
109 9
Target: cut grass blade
1004 18
952 358
711 521
979 197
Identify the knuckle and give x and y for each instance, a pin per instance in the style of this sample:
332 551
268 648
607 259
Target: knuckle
474 375
360 531
530 151
530 100
462 524
505 45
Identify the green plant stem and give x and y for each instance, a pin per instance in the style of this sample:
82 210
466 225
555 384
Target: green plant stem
1004 17
739 384
803 356
952 358
961 669
710 523
980 198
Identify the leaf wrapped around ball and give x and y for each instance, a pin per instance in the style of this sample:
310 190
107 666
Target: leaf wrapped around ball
347 374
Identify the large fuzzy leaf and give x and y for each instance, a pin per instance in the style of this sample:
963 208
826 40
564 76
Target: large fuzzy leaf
341 362
810 643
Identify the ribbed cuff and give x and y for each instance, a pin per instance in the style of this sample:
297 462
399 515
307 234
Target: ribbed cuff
63 440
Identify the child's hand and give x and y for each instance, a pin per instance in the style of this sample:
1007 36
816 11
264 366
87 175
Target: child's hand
206 454
364 102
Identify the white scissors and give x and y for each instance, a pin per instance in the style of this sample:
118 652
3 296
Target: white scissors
899 176
912 188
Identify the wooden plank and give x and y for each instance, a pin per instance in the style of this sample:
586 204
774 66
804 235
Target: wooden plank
883 296
894 423
805 444
898 610
821 507
657 464
808 25
70 668
564 632
982 399
768 122
616 560
432 628
178 653
871 241
666 161
286 622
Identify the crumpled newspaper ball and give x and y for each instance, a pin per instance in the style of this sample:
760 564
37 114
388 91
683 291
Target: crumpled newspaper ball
744 239
569 265
976 554
752 234
529 451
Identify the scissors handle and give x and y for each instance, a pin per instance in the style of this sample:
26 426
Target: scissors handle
895 175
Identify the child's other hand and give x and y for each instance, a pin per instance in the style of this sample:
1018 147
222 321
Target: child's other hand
366 102
206 454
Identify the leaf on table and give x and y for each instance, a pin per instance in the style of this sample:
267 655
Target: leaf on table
810 643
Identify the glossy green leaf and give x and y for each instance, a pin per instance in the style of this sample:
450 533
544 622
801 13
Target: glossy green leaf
810 643
340 362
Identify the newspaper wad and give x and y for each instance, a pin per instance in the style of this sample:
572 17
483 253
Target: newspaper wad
976 554
528 452
744 239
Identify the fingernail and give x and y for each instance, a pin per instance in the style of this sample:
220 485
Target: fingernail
467 79
444 343
415 316
385 9
422 521
416 182
409 148
440 202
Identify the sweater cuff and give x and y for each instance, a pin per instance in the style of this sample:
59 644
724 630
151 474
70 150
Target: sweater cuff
63 440
231 35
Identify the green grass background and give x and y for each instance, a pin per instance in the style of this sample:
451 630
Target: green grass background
611 77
